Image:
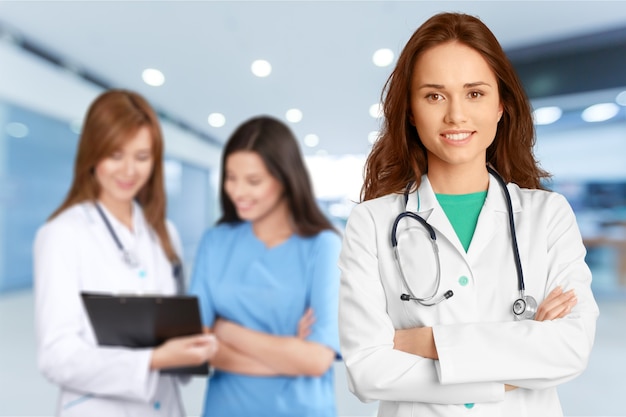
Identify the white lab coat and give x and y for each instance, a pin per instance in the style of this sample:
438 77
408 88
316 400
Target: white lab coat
479 344
75 252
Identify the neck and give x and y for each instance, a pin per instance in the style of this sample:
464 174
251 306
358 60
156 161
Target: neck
458 179
275 227
122 211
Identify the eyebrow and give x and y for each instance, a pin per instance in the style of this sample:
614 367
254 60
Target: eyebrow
466 85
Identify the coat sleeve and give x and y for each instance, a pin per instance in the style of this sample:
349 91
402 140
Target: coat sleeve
375 370
65 354
530 354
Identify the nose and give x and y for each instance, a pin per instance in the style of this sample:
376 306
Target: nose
455 113
129 166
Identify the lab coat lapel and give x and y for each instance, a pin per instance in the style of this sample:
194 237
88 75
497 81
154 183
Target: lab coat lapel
493 218
432 212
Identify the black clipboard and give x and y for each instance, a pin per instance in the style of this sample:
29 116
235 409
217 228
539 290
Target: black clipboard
140 321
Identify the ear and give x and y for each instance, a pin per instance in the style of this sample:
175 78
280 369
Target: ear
500 112
411 118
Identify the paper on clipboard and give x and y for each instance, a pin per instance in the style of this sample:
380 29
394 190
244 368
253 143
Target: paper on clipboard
140 321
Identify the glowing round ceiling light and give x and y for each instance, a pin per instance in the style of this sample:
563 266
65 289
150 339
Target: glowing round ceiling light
547 115
17 130
600 112
383 57
376 110
311 140
153 77
621 98
216 119
261 68
373 136
294 115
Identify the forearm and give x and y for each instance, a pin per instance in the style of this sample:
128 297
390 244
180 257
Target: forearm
232 360
283 354
527 354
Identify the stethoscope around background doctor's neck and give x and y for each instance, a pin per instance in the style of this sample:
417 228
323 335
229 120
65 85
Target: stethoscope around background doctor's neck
525 307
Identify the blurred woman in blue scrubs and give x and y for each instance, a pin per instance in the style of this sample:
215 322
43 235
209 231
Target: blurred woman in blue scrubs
267 280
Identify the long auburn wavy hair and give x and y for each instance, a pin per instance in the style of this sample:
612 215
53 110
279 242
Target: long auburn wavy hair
399 157
113 118
275 143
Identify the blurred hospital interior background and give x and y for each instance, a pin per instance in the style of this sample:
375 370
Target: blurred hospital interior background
321 67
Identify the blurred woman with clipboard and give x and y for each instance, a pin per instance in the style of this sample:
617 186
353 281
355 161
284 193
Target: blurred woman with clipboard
110 235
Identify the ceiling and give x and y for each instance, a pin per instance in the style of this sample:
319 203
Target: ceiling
320 52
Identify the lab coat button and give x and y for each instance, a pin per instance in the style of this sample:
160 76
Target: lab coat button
463 280
157 405
469 406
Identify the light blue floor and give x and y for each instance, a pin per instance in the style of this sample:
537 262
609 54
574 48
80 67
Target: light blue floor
600 391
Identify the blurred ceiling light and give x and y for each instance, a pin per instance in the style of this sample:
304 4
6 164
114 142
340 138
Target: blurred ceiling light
294 115
600 112
16 129
373 136
383 57
547 115
261 68
216 119
153 77
621 98
376 110
311 140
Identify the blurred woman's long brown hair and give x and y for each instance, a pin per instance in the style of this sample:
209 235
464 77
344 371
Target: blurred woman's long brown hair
113 118
274 142
399 157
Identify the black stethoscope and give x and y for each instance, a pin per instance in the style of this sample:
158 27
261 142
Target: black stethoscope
524 308
131 260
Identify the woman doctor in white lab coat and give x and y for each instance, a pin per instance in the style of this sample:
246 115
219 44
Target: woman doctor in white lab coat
441 336
118 184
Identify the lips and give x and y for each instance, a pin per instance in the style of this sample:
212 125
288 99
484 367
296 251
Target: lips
457 136
126 185
243 207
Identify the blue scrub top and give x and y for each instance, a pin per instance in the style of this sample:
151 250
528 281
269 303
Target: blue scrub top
268 289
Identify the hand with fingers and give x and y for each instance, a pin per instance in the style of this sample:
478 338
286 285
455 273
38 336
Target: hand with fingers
184 351
556 305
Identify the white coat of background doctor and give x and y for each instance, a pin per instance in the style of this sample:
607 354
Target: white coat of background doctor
454 104
118 169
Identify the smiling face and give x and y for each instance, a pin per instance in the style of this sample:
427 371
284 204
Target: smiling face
122 174
455 106
255 193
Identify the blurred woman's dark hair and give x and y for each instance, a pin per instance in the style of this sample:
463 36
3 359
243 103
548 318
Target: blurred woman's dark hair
276 144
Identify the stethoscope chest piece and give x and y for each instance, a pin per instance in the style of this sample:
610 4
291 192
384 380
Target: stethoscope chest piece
525 308
130 259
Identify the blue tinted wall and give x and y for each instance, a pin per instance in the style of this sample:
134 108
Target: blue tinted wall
36 163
